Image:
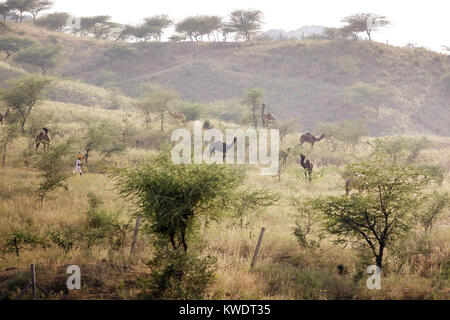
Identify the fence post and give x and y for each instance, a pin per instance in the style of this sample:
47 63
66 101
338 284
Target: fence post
33 281
136 230
258 246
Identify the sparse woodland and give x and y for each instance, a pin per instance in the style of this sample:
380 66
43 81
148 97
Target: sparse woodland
376 192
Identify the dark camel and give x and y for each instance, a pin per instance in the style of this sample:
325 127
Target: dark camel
308 166
43 139
221 147
308 137
267 118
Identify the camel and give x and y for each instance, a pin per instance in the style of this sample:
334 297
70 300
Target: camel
308 166
267 118
308 137
284 154
177 116
353 183
221 147
43 139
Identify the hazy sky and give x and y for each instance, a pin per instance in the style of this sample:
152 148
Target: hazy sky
424 22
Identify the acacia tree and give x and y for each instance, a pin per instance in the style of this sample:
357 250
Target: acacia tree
8 134
56 21
248 200
37 6
171 197
189 27
253 100
433 209
44 57
158 24
367 95
22 95
103 136
4 11
52 165
146 107
381 213
159 99
365 22
246 22
20 6
13 44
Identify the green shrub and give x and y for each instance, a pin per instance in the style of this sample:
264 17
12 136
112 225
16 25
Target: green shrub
176 274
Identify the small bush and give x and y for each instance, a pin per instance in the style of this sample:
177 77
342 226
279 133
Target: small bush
178 275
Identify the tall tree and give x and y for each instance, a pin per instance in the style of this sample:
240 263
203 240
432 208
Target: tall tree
253 100
379 215
4 11
22 95
246 22
158 23
171 197
20 6
38 6
189 27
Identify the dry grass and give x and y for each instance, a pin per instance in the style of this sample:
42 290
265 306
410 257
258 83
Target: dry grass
284 270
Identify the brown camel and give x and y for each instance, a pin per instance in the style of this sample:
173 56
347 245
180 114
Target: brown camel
308 137
308 166
43 139
177 116
267 118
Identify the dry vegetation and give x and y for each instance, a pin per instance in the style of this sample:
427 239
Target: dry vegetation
90 225
285 270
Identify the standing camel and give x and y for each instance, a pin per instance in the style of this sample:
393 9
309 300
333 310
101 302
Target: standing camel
308 137
308 166
221 147
267 118
43 139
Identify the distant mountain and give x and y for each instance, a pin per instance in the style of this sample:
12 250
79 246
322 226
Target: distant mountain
300 33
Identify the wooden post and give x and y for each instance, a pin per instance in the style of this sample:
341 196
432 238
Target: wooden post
258 246
136 230
33 281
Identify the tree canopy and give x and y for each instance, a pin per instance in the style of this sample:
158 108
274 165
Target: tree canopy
22 94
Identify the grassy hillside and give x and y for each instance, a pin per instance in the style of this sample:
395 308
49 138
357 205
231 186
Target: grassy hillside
70 231
305 79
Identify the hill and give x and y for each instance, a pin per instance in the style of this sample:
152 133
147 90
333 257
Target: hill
315 80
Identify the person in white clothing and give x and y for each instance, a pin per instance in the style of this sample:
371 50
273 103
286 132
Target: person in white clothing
78 165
